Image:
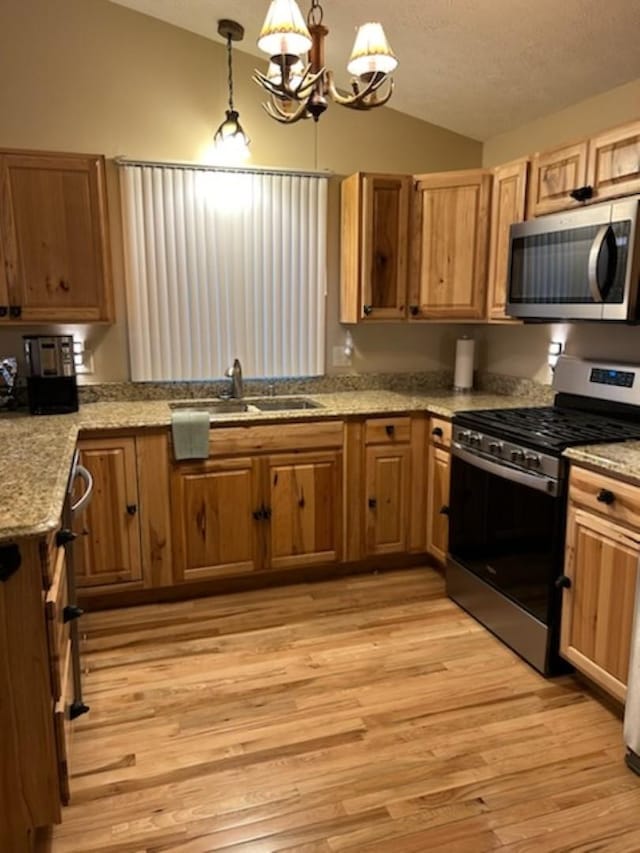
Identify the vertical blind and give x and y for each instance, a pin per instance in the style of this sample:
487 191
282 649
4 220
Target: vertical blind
222 265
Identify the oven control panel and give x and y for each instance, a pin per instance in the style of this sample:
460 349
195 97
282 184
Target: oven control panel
618 378
506 452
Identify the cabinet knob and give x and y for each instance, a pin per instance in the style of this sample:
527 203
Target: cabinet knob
367 310
77 709
582 193
15 311
373 503
390 430
10 561
258 514
72 612
563 582
437 431
4 310
444 510
414 310
605 496
132 509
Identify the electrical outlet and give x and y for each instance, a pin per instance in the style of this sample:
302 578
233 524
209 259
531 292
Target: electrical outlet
340 357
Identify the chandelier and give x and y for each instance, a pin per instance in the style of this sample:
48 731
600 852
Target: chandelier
301 89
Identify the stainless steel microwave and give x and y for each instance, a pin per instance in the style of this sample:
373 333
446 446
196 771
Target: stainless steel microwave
578 265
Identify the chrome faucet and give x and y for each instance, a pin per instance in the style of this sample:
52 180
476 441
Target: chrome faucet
234 373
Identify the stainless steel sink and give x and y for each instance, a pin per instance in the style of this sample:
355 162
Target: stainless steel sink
275 404
216 407
252 405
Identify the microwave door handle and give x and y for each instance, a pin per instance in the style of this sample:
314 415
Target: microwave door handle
594 257
82 502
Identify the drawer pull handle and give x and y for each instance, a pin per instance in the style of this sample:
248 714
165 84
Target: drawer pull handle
605 496
4 310
444 510
390 430
72 612
563 582
437 431
15 311
373 503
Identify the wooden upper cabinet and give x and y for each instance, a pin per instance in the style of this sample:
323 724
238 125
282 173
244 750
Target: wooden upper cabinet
450 237
110 551
508 199
614 162
304 508
215 507
374 247
597 609
553 175
54 234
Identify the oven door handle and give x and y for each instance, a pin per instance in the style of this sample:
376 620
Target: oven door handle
533 481
82 501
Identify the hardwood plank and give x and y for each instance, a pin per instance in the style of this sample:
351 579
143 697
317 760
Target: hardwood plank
361 714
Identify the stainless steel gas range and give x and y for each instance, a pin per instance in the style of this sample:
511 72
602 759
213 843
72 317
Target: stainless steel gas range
508 501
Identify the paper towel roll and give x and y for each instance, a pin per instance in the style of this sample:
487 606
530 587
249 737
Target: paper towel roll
463 375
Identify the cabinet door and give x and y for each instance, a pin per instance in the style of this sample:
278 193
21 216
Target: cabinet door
215 529
54 230
438 472
388 487
597 609
451 234
374 248
508 199
110 551
552 177
614 162
304 509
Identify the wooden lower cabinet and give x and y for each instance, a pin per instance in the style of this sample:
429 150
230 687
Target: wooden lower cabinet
438 466
304 508
387 493
215 525
597 608
109 553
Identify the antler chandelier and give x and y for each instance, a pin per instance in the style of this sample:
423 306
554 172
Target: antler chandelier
300 90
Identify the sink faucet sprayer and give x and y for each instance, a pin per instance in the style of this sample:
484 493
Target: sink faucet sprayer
234 373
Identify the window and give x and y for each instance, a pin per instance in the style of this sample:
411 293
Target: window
224 264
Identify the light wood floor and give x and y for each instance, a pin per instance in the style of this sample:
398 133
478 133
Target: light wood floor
364 714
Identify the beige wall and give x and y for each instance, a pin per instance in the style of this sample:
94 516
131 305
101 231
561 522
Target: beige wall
91 76
522 351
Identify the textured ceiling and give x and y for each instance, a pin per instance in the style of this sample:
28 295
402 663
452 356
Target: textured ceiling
479 67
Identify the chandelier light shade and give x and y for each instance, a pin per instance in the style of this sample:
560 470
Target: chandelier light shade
231 142
284 32
371 52
301 88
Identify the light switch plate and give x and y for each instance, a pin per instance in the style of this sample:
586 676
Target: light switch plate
340 358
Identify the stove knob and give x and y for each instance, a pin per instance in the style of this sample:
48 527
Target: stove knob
517 455
464 436
495 447
475 439
532 460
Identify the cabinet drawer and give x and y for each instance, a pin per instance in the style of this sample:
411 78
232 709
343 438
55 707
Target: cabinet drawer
265 439
57 630
62 725
606 496
387 430
440 432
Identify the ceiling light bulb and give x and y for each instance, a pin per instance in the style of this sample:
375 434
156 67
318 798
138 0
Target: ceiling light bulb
284 32
372 53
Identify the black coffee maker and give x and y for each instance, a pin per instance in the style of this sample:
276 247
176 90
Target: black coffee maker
52 387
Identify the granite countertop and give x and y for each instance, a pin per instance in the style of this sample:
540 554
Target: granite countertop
622 459
37 452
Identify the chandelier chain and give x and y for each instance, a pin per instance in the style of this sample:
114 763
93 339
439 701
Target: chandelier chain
230 72
316 14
